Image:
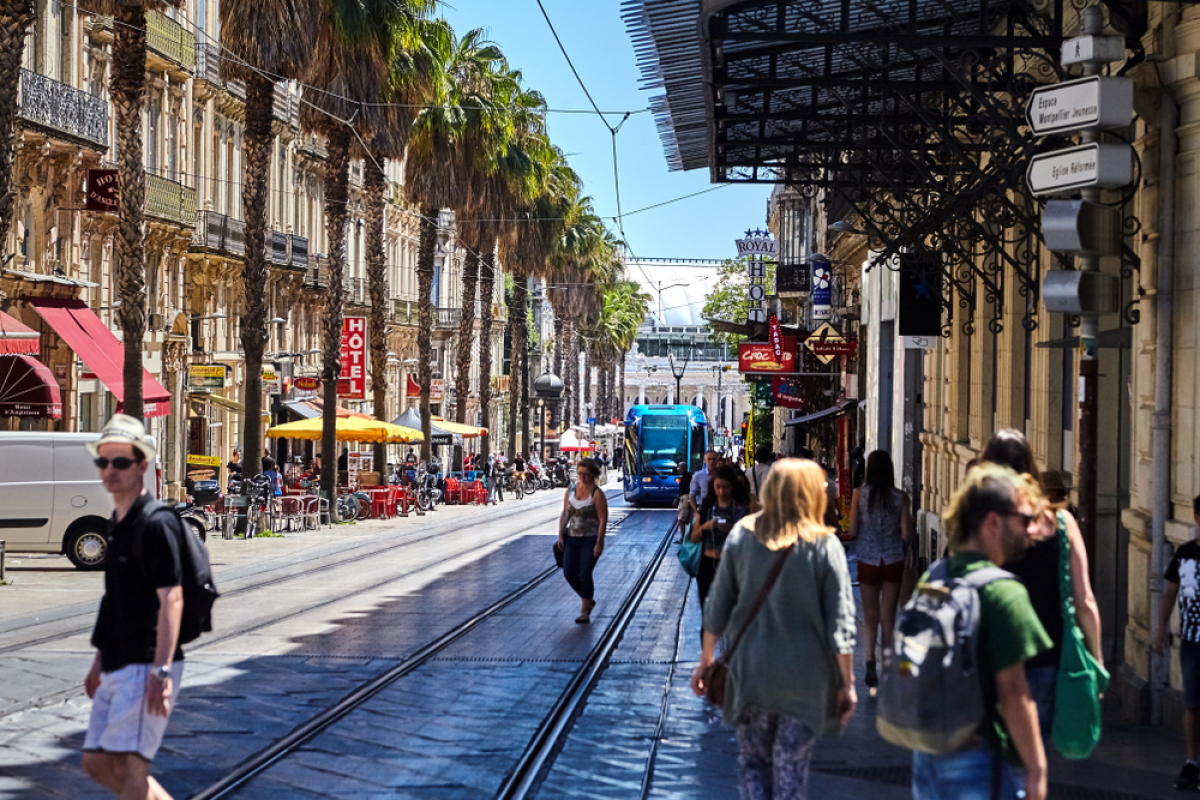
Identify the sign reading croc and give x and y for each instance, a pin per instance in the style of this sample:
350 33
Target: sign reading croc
759 357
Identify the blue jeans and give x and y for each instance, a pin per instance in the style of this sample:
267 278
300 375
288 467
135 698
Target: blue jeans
965 775
1042 682
579 559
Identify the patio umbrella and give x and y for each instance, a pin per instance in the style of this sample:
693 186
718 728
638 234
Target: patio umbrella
349 429
569 443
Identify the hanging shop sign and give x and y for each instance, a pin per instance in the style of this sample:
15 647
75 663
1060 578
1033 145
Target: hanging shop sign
307 383
437 388
206 377
758 244
786 392
1094 102
759 248
1106 165
103 190
352 382
822 288
775 335
270 380
827 343
759 357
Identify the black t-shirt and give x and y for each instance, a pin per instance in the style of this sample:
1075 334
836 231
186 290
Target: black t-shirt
1184 570
127 628
234 467
519 464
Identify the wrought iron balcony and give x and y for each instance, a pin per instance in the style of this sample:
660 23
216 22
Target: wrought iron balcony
219 234
277 248
792 279
167 38
312 147
298 246
286 108
404 312
448 318
62 109
170 201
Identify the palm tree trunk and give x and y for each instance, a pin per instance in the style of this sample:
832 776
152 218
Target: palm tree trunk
466 335
487 290
586 379
516 327
621 404
601 393
128 90
521 295
374 187
15 18
426 246
573 371
337 180
556 410
256 148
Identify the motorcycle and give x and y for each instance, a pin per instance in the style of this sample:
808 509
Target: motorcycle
560 475
541 477
428 493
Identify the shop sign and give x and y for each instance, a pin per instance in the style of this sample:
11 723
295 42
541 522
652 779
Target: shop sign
270 380
760 358
203 461
826 343
60 375
786 392
103 190
775 335
206 377
822 289
352 383
307 383
437 388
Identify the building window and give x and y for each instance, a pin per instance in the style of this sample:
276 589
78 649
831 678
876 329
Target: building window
154 121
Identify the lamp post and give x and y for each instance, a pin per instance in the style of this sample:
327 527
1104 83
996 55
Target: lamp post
541 404
678 373
548 387
720 370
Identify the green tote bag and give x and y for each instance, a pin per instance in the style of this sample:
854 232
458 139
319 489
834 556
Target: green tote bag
1081 678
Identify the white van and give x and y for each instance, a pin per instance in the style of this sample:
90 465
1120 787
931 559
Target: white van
51 497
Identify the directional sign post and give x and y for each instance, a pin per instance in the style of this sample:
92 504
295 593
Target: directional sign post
1088 165
1095 102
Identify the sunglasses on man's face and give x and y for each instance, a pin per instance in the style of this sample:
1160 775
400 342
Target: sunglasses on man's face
120 462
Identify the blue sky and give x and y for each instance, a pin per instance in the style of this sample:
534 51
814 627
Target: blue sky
595 37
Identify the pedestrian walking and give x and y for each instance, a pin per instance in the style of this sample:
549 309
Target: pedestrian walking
581 529
1039 568
272 474
496 478
699 485
970 719
782 597
757 475
881 524
135 677
1183 584
726 504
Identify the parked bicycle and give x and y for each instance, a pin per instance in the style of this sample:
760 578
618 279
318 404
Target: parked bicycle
428 492
258 508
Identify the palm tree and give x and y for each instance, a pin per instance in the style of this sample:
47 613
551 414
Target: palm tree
349 68
127 85
460 103
263 38
15 18
623 309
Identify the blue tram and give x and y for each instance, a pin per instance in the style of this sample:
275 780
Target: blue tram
661 443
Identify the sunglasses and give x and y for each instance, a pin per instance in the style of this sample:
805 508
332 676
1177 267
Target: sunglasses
120 462
1026 519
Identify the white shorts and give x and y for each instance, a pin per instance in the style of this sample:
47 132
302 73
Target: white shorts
121 722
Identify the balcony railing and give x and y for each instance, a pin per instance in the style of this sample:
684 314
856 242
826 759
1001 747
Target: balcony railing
791 279
63 109
286 109
171 40
448 317
298 246
220 234
312 147
170 201
208 63
277 248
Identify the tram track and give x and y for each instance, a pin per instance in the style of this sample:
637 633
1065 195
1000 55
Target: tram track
281 748
376 548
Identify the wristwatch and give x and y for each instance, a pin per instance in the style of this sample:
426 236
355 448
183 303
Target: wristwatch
162 673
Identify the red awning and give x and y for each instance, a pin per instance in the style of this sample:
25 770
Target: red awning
16 337
93 342
28 389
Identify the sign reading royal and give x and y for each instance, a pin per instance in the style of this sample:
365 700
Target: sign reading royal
1094 102
759 357
1078 167
757 244
352 383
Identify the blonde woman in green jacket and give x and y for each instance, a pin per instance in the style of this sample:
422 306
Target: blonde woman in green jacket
806 627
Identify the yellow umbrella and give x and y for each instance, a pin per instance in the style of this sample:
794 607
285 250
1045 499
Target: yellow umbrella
398 434
349 429
465 431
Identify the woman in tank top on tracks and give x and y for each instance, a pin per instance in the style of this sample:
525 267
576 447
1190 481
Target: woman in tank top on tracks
581 534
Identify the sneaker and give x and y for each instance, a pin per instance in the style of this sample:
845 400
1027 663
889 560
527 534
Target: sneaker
1189 776
872 677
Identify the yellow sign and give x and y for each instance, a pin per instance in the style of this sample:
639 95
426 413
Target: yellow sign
206 376
204 461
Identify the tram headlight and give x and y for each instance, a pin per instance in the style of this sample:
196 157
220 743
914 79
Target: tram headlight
647 480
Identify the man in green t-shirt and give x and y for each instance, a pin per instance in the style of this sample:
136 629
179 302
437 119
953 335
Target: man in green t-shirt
989 520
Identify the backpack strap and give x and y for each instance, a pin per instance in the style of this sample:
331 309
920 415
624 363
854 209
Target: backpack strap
982 577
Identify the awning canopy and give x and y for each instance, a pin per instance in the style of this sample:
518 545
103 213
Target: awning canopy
28 389
17 338
93 342
226 403
348 429
441 432
843 407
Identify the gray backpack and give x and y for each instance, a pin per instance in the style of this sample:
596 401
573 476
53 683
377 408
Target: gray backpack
930 697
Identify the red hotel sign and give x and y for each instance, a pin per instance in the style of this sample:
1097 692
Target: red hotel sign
352 383
103 190
759 357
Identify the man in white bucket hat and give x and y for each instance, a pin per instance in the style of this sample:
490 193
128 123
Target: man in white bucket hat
135 676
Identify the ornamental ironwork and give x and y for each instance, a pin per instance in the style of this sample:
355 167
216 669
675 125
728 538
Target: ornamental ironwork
63 109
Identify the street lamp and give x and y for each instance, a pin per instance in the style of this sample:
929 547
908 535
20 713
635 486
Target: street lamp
720 370
678 373
548 387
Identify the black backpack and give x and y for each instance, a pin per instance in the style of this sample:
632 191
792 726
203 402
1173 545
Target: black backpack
199 590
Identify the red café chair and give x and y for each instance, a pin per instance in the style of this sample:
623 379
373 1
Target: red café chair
402 500
480 494
452 491
379 503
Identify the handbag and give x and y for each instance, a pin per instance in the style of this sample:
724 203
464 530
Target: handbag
717 673
1081 678
689 554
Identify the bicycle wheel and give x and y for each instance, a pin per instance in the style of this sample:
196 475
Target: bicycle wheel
253 520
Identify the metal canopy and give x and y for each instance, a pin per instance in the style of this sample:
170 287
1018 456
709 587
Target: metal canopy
908 113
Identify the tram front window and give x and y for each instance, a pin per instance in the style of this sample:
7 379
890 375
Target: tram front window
664 444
